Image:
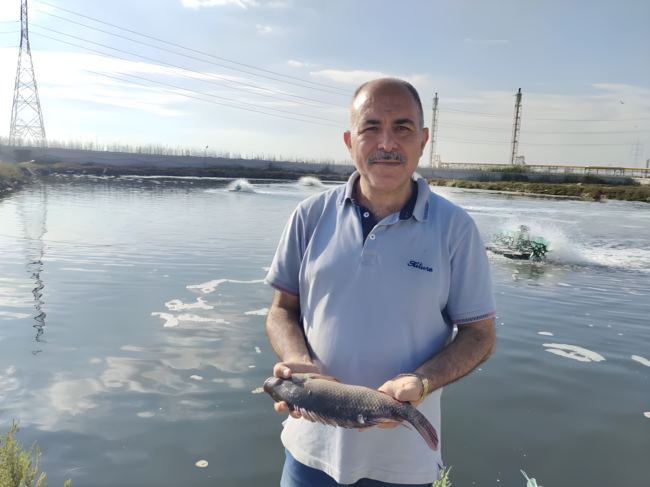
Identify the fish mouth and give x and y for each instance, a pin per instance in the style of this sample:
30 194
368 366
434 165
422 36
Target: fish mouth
269 384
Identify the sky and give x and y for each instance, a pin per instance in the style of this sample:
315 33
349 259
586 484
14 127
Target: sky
265 77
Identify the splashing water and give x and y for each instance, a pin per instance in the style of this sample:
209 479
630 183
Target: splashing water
241 186
310 181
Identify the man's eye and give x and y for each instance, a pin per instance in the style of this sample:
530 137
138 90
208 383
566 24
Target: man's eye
402 127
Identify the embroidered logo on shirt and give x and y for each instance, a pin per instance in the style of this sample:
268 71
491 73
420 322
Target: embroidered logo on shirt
418 265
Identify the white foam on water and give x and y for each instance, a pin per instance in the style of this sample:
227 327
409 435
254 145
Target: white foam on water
202 463
146 414
177 305
258 390
545 333
641 360
257 349
208 287
574 352
310 181
201 319
260 312
171 320
240 186
569 246
196 377
647 415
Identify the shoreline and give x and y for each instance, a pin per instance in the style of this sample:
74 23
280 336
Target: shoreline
14 176
578 191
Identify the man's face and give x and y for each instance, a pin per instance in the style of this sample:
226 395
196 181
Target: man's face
385 138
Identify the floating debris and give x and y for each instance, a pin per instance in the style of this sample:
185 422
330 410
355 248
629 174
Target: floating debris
257 349
202 463
196 377
545 333
259 389
647 415
641 360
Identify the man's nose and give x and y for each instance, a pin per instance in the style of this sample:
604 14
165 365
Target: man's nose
387 141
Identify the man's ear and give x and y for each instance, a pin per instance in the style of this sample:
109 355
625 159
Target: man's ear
347 138
425 138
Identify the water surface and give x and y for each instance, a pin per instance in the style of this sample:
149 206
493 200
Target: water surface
132 336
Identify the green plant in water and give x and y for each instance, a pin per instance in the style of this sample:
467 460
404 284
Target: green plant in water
17 467
444 479
531 482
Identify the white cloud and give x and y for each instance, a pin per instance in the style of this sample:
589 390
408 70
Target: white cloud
277 4
263 29
487 41
298 64
359 77
211 3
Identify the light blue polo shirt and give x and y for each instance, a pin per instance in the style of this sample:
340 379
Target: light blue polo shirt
376 309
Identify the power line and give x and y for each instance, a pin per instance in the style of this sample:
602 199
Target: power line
168 64
187 48
217 103
547 119
205 94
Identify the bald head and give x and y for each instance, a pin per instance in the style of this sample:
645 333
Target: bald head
377 85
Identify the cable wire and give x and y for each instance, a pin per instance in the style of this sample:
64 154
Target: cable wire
166 64
183 47
218 103
207 94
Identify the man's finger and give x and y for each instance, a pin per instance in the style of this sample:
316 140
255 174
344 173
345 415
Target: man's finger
281 407
282 371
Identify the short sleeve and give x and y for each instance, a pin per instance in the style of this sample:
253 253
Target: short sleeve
471 297
285 270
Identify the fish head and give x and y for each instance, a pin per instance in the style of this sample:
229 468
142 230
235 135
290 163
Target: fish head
271 383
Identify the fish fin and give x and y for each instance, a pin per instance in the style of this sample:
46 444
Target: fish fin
422 426
324 377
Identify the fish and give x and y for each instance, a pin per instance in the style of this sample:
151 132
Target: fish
326 400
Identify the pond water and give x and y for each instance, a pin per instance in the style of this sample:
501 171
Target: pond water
132 340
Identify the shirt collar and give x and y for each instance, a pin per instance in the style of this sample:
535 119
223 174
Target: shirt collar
420 208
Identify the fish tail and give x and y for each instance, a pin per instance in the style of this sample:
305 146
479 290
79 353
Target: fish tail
422 426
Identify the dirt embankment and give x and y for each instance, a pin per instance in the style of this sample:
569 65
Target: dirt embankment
584 191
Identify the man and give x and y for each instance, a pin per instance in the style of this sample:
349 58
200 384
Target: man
369 280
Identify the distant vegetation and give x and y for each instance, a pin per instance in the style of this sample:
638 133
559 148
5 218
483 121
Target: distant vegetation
514 168
167 150
586 191
18 467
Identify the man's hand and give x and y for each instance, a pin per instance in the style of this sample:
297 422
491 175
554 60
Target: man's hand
284 370
404 389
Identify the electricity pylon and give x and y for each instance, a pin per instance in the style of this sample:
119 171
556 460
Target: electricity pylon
26 115
636 153
516 127
434 133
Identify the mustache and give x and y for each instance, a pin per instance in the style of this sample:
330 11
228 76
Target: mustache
385 156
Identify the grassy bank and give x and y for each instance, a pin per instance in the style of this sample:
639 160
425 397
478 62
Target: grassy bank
585 191
63 168
10 174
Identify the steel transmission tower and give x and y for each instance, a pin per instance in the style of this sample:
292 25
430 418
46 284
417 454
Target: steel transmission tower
516 127
636 153
26 116
434 133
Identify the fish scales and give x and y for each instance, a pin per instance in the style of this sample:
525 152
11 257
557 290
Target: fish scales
325 400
